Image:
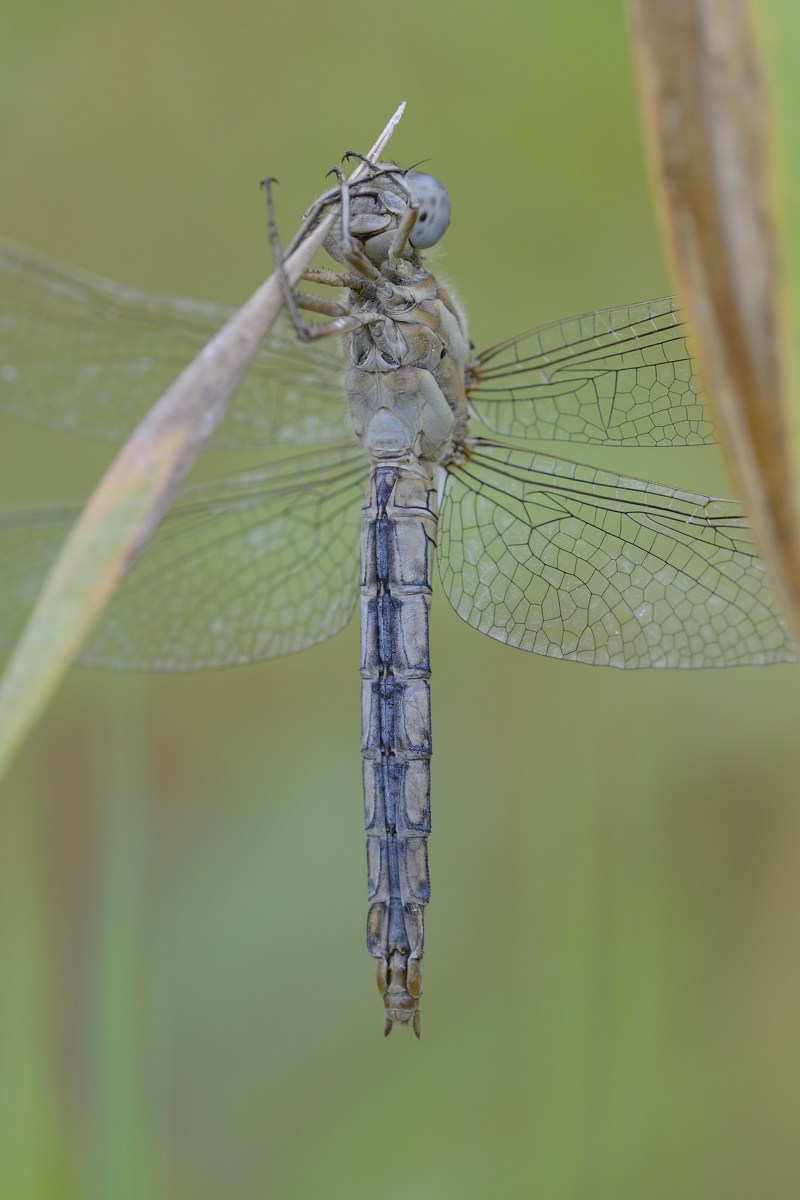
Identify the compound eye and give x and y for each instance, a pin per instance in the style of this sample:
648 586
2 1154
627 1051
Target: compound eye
434 209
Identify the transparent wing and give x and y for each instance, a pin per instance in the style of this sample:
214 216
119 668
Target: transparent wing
255 566
87 356
623 377
555 557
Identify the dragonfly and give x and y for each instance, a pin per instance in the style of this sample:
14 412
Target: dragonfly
389 442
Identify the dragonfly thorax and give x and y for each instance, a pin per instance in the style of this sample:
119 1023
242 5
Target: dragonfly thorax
401 412
408 367
409 351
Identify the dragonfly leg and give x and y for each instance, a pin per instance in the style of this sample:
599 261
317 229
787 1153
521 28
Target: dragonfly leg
338 325
292 309
343 321
328 278
320 304
350 253
407 221
403 232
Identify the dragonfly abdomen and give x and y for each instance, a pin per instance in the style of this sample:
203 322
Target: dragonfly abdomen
398 540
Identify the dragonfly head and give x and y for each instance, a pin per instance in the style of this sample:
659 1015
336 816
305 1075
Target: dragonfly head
380 203
400 984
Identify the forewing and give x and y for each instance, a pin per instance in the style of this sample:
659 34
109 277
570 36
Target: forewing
622 377
572 562
251 567
87 356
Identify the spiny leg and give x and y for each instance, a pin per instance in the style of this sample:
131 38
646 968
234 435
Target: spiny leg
403 232
320 304
277 256
407 221
343 321
328 278
354 257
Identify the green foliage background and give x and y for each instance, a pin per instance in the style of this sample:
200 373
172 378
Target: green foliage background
186 1005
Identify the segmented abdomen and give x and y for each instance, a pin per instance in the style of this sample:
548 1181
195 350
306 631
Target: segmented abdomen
398 542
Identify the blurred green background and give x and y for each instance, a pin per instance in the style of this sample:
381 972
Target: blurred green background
187 1009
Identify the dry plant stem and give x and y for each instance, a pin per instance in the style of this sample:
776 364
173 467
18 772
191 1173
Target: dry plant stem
706 127
135 492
